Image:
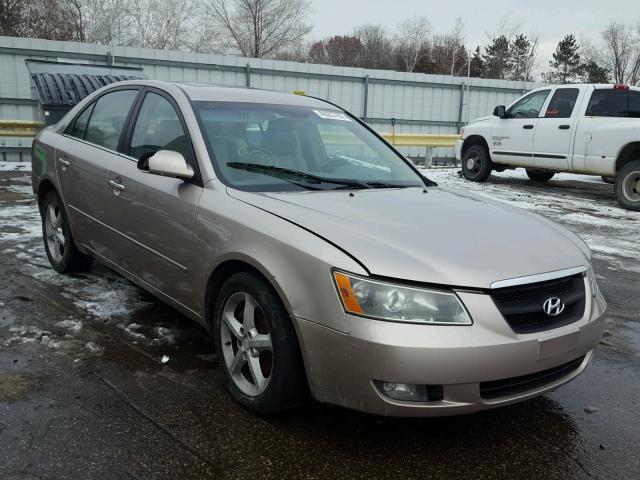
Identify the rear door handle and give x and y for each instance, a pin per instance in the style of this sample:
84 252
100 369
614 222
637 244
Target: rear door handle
528 127
564 127
116 186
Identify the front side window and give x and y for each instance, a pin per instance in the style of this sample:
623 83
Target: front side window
614 103
529 106
562 103
262 147
108 118
158 127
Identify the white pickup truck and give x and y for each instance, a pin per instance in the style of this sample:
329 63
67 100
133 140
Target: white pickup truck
589 129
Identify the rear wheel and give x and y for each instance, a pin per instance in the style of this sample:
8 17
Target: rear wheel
628 186
538 176
476 164
257 346
58 241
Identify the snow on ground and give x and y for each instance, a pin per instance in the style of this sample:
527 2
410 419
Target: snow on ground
15 166
610 231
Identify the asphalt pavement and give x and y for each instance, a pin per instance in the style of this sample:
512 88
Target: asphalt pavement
85 394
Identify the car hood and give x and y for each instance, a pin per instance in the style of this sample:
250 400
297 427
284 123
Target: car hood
480 119
439 235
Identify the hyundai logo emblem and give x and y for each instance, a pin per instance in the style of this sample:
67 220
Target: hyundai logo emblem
553 306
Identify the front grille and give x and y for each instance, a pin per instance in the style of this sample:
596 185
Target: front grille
521 305
526 383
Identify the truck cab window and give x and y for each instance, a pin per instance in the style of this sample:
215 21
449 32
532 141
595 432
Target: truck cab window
614 103
562 103
529 106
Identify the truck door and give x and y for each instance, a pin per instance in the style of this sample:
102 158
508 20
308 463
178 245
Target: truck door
555 130
512 138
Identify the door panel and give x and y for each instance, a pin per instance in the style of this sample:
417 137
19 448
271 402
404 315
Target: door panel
82 166
154 216
555 131
512 140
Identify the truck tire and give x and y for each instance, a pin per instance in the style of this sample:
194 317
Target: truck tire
628 186
611 180
537 176
476 164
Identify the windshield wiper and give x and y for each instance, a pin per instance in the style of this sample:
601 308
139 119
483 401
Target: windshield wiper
287 172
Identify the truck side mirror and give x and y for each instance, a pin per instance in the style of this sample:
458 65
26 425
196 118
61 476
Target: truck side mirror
499 111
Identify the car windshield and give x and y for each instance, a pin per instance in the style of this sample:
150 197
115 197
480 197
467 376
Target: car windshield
263 147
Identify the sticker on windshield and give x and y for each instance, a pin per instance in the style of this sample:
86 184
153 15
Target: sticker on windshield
332 115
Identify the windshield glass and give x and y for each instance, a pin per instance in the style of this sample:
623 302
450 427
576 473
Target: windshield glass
262 147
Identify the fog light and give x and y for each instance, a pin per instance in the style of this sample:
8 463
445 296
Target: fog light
408 392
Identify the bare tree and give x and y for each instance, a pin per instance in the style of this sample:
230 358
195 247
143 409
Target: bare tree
108 21
11 17
260 28
410 41
621 53
377 49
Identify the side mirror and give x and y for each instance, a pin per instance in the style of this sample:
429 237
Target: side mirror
500 111
168 163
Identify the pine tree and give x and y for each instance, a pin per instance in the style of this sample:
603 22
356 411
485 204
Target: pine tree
520 58
496 58
594 73
566 64
477 64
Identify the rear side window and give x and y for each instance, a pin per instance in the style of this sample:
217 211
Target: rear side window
614 103
108 118
562 103
158 128
80 125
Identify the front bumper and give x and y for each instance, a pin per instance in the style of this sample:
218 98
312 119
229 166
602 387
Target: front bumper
341 367
458 149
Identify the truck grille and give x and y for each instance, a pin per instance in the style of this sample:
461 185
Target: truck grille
526 383
521 305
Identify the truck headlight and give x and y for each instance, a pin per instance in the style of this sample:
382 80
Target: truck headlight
386 301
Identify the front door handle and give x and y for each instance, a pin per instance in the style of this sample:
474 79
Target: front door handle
116 186
528 127
564 127
64 164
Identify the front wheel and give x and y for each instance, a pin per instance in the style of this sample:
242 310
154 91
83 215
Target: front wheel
256 346
476 164
537 176
58 241
628 186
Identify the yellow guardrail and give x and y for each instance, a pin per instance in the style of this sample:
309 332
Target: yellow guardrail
420 139
19 128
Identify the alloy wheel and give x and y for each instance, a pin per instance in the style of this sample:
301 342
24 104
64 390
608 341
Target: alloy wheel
54 231
246 344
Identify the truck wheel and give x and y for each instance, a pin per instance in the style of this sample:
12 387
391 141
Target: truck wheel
628 186
257 347
58 241
476 164
611 180
537 176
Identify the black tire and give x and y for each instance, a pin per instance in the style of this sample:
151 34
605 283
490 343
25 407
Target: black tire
287 385
538 176
628 186
610 180
476 164
63 256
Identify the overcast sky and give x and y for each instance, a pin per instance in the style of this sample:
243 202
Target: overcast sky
549 19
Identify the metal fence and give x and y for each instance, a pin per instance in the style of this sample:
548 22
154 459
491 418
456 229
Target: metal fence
418 103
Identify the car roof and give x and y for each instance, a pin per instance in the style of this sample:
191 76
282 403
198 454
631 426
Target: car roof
210 93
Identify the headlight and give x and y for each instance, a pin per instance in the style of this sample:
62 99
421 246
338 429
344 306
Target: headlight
387 301
591 275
